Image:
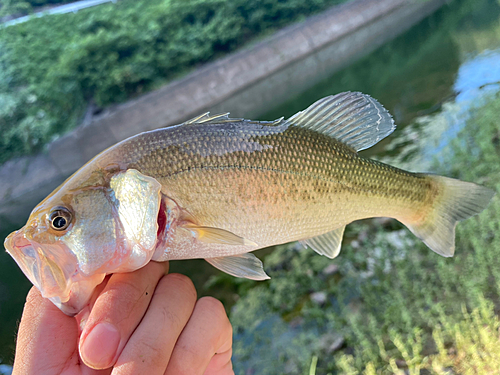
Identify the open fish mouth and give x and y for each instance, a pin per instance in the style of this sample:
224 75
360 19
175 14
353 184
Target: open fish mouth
38 266
60 281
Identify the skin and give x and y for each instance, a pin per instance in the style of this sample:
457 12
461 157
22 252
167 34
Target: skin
141 322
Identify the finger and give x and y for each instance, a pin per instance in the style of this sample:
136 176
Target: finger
47 339
207 333
116 313
83 316
220 364
148 350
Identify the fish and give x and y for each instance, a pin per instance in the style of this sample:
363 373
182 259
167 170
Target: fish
219 188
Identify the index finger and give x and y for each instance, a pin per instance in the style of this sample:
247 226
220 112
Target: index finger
148 350
116 313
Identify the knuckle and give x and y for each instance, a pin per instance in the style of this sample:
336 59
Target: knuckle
187 371
151 347
229 329
172 319
119 302
149 354
226 369
154 270
215 309
189 359
123 290
213 305
134 285
181 283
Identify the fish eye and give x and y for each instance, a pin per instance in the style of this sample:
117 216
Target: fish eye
60 218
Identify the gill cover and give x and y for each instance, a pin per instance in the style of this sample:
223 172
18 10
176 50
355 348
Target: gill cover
115 228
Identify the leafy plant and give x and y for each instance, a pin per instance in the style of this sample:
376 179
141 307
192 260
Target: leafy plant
52 67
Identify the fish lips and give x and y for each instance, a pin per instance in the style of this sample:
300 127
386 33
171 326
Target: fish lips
46 267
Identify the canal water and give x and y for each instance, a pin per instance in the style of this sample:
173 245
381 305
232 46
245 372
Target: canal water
429 78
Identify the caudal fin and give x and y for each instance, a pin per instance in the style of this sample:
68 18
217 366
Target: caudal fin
458 201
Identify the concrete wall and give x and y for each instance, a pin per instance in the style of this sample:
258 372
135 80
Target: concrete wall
245 83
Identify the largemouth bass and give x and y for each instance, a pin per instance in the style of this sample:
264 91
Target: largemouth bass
218 188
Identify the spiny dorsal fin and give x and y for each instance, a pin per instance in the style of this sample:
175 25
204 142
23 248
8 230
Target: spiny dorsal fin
205 118
352 118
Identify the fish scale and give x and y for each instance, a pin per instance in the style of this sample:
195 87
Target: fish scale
297 179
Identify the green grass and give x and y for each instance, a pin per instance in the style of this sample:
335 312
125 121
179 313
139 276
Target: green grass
20 7
55 67
396 306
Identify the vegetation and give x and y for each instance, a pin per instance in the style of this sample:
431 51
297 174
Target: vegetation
51 68
22 7
45 2
387 305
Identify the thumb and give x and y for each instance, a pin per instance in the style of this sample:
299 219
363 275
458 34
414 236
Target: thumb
47 338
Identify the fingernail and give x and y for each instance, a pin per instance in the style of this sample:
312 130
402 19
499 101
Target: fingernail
99 347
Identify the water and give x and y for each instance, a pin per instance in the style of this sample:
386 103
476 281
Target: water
441 60
429 78
427 137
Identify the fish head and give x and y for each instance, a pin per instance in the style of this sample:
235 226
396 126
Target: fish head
63 247
74 238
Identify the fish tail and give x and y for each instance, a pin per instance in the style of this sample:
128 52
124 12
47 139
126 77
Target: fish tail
457 200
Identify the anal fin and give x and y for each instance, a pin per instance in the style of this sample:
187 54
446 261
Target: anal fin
327 244
243 265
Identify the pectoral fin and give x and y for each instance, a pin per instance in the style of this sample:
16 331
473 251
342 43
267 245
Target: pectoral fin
327 244
217 235
244 265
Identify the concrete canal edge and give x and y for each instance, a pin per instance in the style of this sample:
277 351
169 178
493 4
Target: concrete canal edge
292 60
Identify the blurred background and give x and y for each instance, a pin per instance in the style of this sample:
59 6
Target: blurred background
387 304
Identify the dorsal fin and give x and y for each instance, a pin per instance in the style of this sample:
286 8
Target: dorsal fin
205 118
353 118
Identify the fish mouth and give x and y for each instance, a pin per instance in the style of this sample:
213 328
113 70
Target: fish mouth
40 268
53 270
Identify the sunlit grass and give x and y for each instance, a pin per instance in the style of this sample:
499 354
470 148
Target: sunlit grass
467 346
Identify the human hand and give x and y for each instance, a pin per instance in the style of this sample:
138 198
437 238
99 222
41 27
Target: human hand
143 322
